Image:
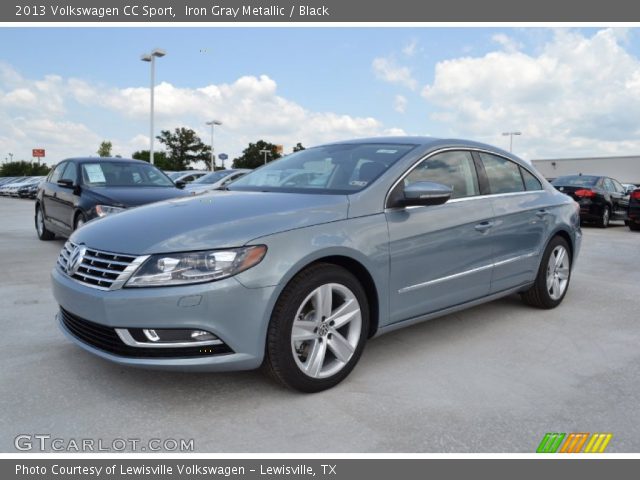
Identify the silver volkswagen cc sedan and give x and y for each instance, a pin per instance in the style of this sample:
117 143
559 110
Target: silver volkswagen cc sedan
298 263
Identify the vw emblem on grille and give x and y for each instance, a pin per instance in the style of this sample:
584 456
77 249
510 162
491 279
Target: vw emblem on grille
75 259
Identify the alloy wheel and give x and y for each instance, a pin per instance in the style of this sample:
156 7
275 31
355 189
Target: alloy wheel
558 272
326 330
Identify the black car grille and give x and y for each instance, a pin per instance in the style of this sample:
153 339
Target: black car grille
106 339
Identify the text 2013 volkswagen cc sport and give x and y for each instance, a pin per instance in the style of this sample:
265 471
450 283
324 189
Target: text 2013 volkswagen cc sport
298 263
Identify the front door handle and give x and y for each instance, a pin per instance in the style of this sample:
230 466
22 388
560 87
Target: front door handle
542 213
484 226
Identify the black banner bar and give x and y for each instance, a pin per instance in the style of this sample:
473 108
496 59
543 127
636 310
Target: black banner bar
235 11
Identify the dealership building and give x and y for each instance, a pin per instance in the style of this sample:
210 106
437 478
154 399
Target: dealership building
624 169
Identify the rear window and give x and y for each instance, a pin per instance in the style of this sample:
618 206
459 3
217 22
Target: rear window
576 181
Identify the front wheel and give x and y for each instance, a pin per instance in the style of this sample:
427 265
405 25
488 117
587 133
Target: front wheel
318 329
553 276
603 221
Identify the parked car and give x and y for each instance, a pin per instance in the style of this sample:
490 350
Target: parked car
187 176
403 230
81 189
30 189
634 210
601 199
215 180
9 189
629 187
5 180
28 181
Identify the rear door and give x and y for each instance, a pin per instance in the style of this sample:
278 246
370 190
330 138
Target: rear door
522 221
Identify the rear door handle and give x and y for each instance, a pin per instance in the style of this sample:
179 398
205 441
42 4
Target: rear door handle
484 226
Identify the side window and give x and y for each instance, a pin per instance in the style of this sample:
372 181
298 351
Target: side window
453 169
618 186
57 172
608 185
530 182
504 175
70 173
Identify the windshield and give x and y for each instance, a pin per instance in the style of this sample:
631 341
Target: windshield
576 181
123 174
335 169
212 177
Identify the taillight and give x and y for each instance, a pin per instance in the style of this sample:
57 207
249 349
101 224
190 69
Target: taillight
585 193
635 194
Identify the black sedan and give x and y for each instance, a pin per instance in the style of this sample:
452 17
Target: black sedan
601 199
81 189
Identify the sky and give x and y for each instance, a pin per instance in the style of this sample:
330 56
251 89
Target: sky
570 92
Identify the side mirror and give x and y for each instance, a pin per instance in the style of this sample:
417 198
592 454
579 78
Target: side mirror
425 193
65 182
180 184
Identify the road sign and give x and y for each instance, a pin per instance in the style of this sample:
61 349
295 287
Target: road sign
223 156
38 152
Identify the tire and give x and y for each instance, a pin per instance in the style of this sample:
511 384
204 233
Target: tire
552 280
321 353
41 229
603 221
79 220
633 226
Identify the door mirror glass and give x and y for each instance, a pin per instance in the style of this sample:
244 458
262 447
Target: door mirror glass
180 184
425 193
65 182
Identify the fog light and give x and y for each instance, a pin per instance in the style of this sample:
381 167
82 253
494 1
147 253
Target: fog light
202 336
151 335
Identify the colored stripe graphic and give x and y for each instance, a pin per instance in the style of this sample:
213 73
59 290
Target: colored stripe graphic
598 443
574 443
550 443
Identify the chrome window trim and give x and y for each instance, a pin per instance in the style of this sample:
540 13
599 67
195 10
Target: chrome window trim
466 272
457 149
126 337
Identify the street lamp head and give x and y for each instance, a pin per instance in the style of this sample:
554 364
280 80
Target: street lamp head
214 122
145 57
158 52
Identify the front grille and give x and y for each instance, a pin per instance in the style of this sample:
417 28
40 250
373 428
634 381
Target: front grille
106 339
103 270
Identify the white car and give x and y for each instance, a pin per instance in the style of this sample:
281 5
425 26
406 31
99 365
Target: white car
215 180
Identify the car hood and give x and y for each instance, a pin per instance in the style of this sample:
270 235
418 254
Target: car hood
219 219
133 196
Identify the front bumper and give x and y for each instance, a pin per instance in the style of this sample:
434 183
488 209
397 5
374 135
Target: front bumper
238 315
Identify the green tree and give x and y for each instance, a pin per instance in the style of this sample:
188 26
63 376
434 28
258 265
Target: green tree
184 147
298 147
251 156
22 168
104 150
160 159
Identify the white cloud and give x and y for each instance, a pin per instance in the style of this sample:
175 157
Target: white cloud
400 103
386 69
579 96
507 43
43 112
411 48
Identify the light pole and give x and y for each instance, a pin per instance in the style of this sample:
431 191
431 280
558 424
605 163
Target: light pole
10 157
151 58
511 134
213 123
265 152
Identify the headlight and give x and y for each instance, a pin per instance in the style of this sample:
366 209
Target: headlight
195 267
104 210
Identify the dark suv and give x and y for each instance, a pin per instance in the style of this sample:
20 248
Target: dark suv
80 189
600 198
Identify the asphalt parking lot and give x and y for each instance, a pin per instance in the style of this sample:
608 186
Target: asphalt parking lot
494 378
